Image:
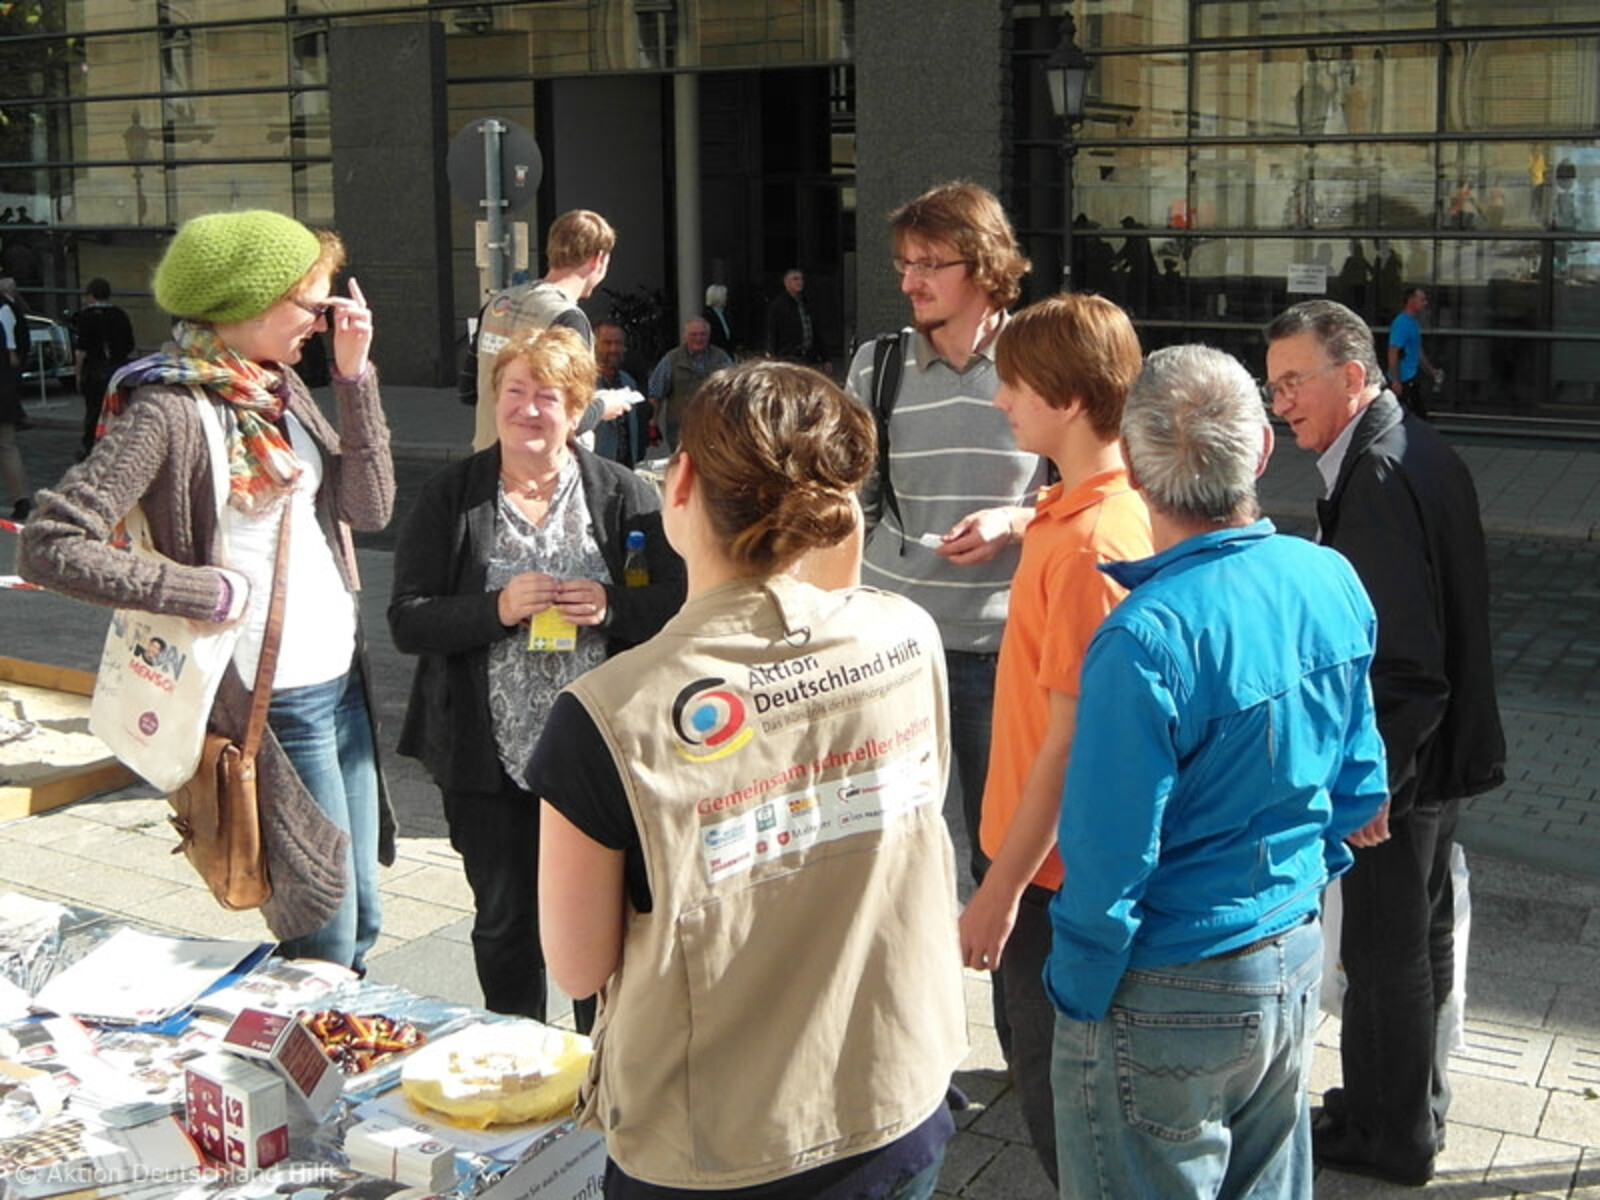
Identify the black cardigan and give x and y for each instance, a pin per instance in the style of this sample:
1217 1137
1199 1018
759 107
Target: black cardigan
1404 511
440 610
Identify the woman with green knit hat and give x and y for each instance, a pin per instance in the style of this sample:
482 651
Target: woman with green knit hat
248 290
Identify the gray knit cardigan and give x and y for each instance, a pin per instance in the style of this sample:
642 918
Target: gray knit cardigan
156 456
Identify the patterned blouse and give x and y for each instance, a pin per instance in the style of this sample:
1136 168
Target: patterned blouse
523 683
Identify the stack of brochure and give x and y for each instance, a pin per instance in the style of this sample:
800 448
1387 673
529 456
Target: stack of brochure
139 978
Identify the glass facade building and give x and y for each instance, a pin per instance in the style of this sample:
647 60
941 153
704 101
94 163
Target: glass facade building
1239 155
1236 155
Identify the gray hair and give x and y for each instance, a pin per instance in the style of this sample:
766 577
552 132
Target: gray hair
716 295
1343 335
1192 428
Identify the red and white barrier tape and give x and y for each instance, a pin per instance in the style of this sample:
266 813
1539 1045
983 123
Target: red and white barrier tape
15 583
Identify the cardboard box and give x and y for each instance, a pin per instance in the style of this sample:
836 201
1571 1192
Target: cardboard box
388 1147
236 1112
279 1041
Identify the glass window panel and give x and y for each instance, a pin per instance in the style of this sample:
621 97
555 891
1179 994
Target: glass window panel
313 193
1523 12
1138 96
1129 186
1523 84
1142 271
1338 186
1481 284
1574 272
252 56
202 127
1117 24
87 16
126 63
203 187
223 10
1574 377
1248 18
1520 185
1315 91
129 130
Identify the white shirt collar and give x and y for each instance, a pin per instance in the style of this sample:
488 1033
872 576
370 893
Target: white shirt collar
1333 457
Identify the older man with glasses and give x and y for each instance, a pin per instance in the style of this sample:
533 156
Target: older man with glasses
1401 506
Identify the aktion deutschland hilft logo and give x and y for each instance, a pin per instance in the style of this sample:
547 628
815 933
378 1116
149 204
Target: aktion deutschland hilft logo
709 721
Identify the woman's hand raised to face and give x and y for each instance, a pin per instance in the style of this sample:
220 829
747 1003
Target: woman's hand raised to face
351 321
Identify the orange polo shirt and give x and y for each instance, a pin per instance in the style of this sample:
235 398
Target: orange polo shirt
1058 599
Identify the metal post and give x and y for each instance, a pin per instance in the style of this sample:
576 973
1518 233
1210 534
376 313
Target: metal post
1069 151
686 198
494 204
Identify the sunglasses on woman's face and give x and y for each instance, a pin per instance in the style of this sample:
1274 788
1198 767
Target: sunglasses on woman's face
319 312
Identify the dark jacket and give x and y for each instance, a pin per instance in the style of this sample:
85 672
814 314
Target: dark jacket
786 332
1404 511
440 611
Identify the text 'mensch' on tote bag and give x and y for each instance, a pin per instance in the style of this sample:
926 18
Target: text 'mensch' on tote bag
159 674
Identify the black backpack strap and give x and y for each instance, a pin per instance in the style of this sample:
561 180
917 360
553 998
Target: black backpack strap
888 360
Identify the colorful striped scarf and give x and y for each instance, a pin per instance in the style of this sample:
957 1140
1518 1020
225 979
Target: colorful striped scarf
262 468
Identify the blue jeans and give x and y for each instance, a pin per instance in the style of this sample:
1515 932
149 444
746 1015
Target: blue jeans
325 731
1194 1082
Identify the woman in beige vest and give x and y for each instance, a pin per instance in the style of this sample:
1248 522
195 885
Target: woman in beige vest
743 847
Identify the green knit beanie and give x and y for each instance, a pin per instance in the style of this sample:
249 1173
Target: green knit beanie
233 266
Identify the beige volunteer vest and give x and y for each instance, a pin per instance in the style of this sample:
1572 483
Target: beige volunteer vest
795 994
517 311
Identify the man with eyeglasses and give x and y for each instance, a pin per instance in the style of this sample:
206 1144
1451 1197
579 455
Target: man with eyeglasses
945 508
1401 506
947 505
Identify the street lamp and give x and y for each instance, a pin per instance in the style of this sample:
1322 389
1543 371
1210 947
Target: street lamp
1067 73
136 138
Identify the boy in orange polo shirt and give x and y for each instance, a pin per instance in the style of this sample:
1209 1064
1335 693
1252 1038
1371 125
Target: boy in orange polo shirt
1065 366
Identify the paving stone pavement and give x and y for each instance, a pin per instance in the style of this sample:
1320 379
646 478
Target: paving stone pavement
1526 1116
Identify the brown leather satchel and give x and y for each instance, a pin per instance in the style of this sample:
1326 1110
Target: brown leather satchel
215 813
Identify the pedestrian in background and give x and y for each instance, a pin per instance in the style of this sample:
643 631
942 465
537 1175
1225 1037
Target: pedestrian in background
792 332
103 341
13 353
679 375
1407 360
716 315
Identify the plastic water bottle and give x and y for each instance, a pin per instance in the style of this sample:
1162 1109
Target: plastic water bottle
635 566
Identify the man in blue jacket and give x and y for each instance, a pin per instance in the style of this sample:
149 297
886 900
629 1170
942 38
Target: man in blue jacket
1226 748
1401 506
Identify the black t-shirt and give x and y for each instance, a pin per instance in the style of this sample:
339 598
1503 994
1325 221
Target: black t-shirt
573 771
104 334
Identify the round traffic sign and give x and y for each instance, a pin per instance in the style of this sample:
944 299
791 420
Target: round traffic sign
521 165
